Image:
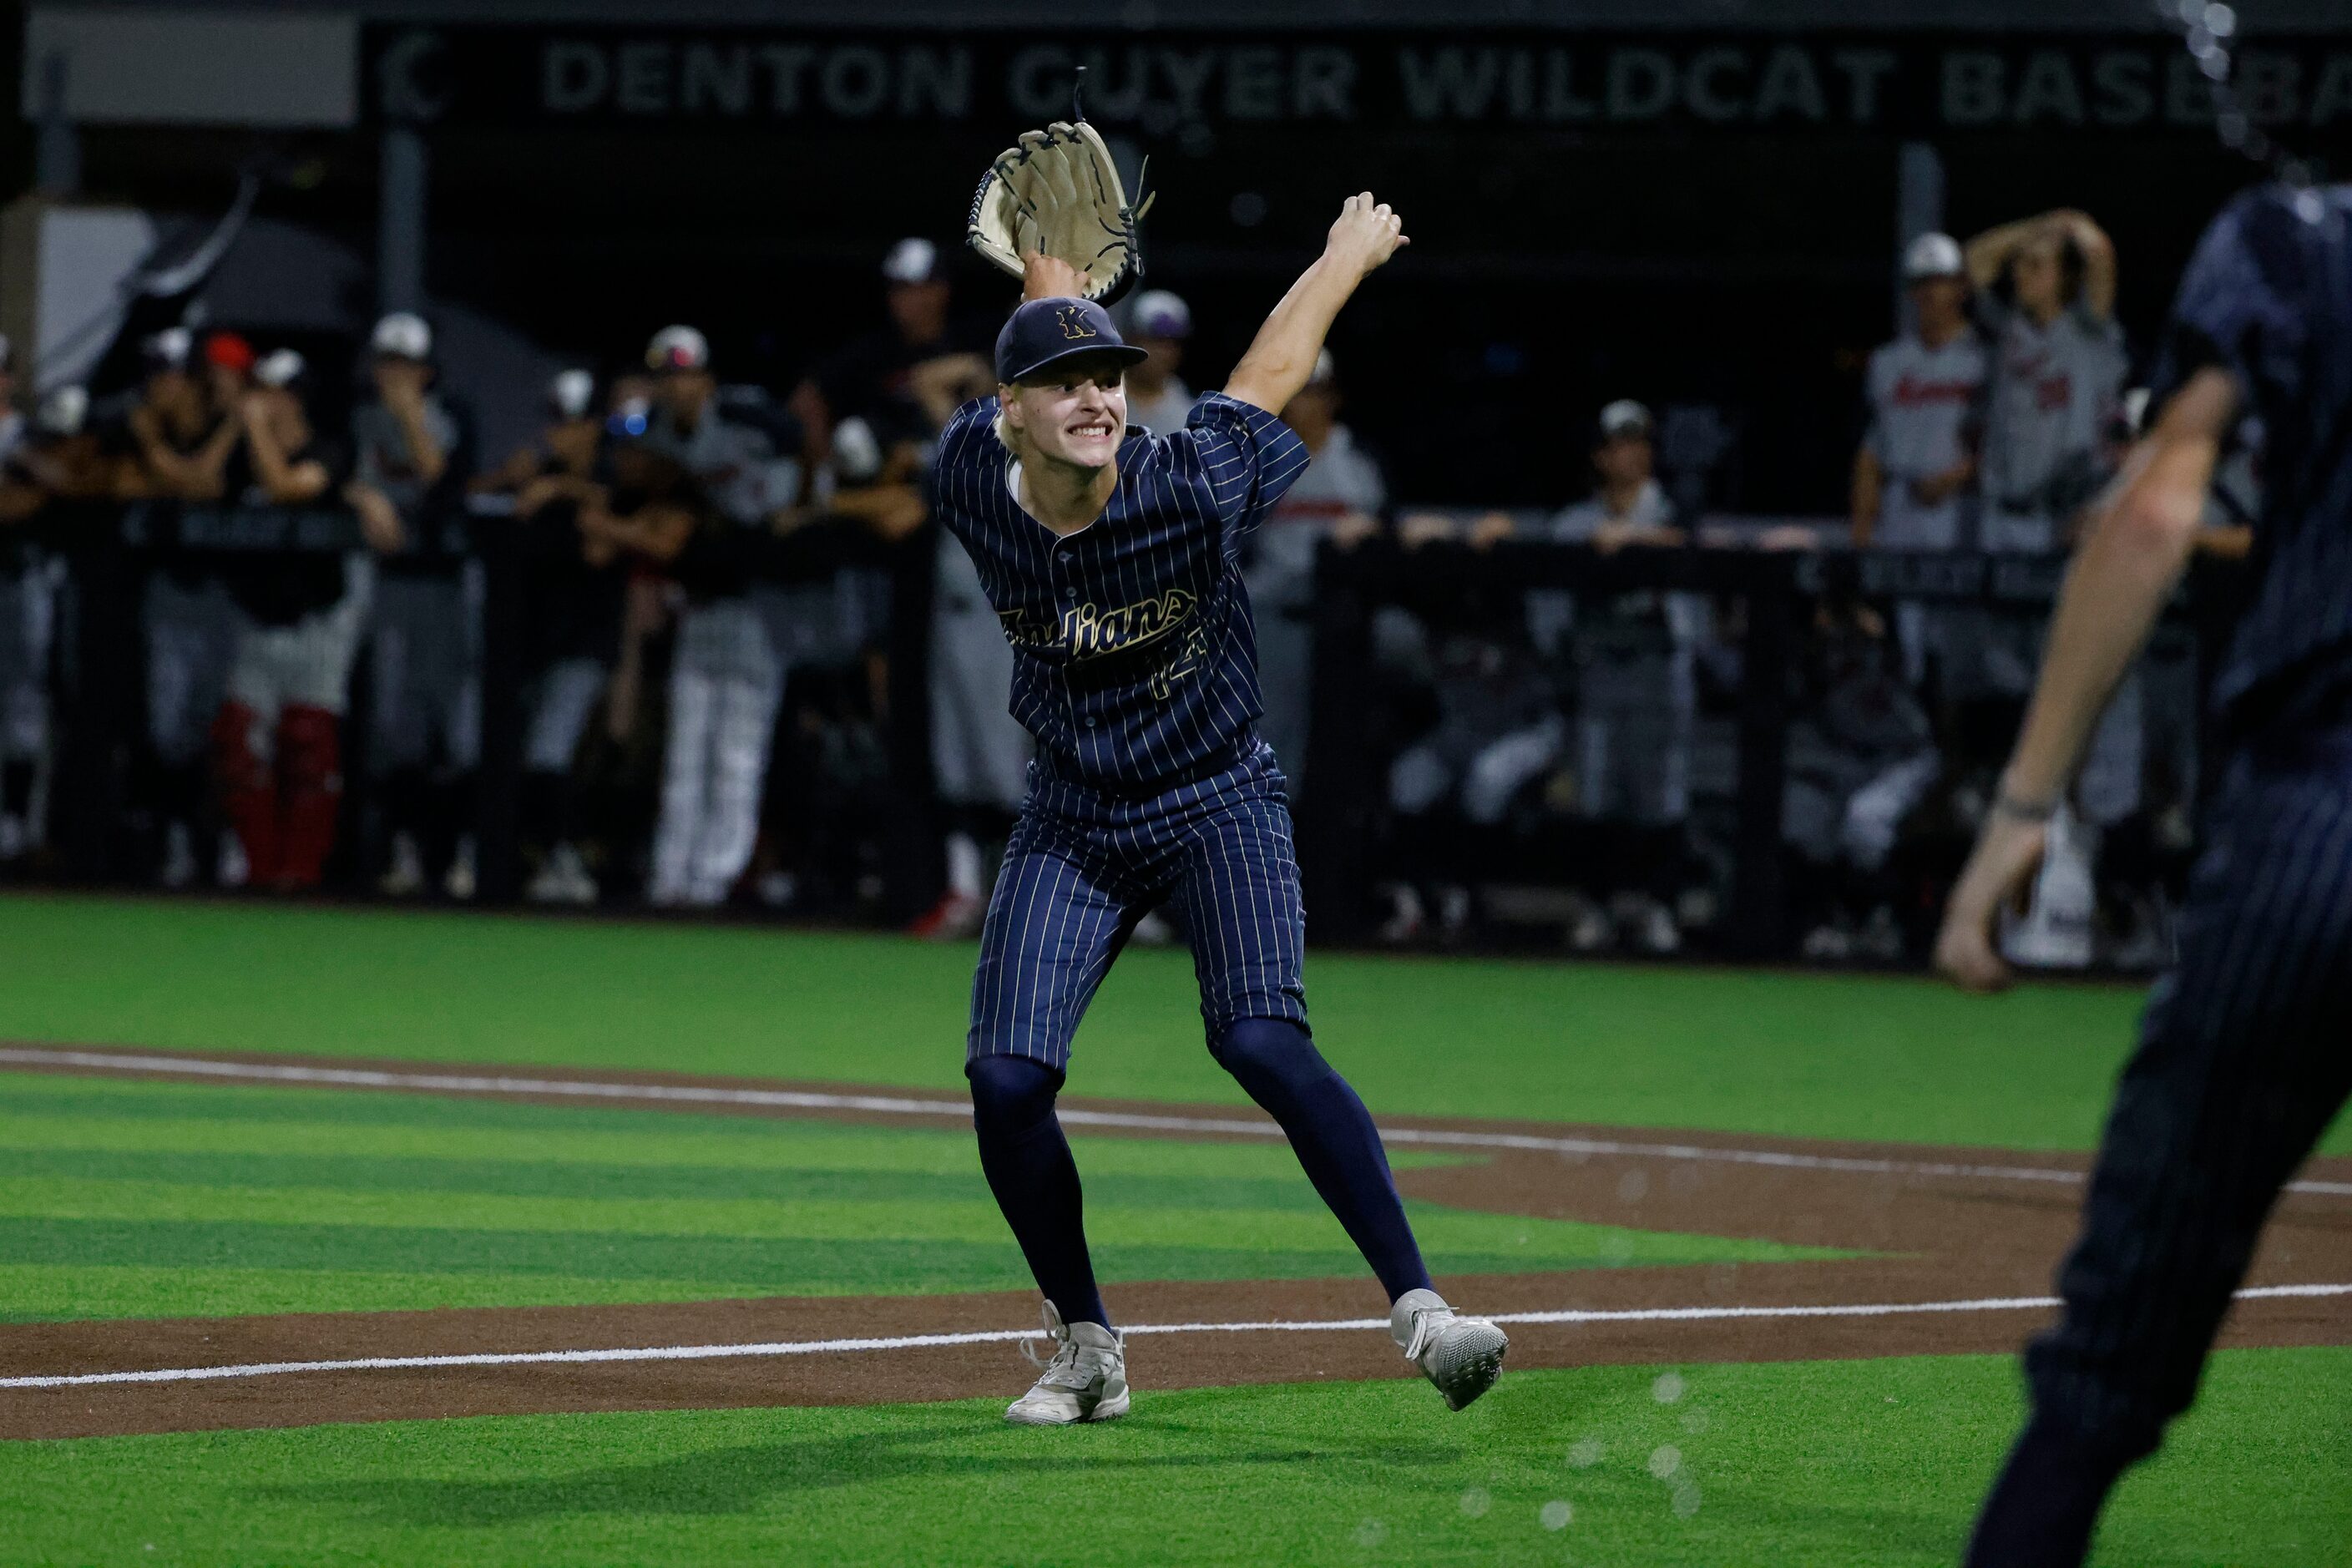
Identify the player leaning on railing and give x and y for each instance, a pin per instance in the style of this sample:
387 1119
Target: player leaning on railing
1112 558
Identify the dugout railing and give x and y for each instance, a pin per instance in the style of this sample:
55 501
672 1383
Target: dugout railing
1774 611
1769 606
98 775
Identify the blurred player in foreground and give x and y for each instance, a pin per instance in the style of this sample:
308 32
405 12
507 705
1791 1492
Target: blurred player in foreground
2242 1060
1113 562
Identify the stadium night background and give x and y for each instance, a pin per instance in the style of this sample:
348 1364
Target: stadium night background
505 760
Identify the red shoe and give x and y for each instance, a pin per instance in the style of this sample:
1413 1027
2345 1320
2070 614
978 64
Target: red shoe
955 917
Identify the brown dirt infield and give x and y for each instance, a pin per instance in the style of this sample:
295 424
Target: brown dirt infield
1939 1238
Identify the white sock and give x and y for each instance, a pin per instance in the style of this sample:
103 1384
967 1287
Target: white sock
964 866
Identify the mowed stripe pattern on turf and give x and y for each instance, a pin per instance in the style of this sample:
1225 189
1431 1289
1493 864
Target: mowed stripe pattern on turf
530 1086
122 1198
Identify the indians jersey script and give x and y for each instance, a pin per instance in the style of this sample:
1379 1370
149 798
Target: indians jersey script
1925 405
1134 663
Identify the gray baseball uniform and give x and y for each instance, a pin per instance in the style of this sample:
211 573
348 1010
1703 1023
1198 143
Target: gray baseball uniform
979 753
424 625
2054 392
1165 413
1278 568
1925 406
1923 403
735 643
1635 699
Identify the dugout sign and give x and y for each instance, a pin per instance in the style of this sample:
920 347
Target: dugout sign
1900 84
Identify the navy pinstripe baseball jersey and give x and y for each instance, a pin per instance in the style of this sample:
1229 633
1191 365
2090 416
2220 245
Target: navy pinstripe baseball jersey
2242 1062
2268 297
1134 658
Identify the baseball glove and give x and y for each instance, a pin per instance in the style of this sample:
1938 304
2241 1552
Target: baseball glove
1057 192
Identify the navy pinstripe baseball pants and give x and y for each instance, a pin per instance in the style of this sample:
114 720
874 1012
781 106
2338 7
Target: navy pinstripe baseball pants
2245 1057
1084 866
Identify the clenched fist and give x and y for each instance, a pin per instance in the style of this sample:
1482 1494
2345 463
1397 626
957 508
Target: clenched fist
1366 235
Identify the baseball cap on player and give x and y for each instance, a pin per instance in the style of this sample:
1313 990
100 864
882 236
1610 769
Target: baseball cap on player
168 349
1625 419
1044 332
1933 256
678 348
229 351
570 392
913 260
1161 314
402 335
64 411
282 368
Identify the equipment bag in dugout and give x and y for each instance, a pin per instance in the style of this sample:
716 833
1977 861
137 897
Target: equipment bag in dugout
1056 191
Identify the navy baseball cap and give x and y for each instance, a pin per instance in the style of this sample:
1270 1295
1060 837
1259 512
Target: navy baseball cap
1044 333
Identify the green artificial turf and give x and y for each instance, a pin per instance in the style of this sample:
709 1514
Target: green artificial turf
1831 1464
122 1198
1813 1055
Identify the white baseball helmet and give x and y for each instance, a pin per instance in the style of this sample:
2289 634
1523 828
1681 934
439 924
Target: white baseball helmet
63 411
402 335
912 260
1625 417
1933 256
1161 314
170 347
570 392
678 348
281 368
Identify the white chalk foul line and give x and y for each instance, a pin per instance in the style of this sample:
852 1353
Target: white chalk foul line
907 1105
1003 1336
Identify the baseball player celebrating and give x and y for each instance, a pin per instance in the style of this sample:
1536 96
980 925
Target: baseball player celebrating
2242 1061
1112 560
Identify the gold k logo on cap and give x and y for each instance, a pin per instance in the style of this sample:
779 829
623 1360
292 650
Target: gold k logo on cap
1073 319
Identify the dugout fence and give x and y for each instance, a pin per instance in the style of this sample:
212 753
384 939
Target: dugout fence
1767 743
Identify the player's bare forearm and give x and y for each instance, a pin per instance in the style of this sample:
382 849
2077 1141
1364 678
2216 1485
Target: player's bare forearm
2138 544
2098 254
1989 252
2230 542
657 532
890 511
425 449
520 469
1282 356
942 385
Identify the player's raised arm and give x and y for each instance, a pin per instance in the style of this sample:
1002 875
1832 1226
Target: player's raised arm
1282 356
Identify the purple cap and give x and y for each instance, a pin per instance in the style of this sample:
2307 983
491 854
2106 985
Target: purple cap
1042 332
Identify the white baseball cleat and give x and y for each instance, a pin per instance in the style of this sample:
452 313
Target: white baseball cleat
1462 1356
1084 1381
